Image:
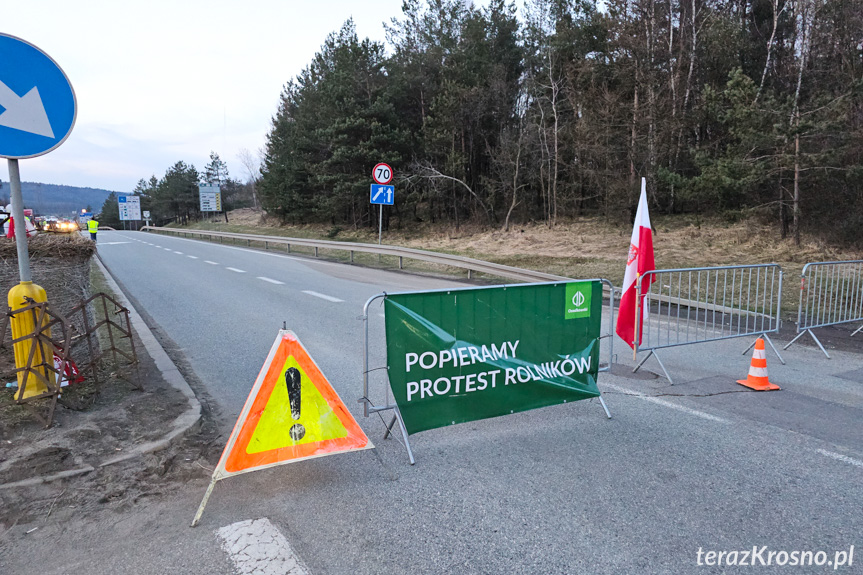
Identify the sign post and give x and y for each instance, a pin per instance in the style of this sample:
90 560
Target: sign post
382 194
39 113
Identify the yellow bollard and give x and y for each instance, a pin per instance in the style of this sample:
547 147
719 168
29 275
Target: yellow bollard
22 324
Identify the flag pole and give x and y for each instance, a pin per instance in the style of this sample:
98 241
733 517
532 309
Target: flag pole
635 341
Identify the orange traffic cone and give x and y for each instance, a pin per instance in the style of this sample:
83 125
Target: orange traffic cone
757 378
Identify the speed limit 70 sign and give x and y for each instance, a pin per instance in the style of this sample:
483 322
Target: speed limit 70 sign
382 174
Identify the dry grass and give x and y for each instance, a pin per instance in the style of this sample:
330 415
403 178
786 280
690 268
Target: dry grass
585 248
50 245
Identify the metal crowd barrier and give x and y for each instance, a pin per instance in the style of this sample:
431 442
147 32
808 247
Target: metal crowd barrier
831 293
697 305
389 404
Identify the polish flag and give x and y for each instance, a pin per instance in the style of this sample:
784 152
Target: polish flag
640 260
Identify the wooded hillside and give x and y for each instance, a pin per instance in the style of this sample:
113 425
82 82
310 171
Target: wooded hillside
733 106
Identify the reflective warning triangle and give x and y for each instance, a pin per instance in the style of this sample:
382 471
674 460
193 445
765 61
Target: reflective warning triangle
291 414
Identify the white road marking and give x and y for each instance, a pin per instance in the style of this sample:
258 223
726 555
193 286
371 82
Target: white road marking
323 296
190 257
206 262
236 270
272 281
258 547
110 244
168 249
178 253
840 457
154 245
664 403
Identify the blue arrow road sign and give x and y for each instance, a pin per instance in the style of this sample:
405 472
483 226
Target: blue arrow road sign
37 99
384 195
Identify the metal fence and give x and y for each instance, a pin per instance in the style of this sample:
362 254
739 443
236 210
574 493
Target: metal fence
831 293
697 305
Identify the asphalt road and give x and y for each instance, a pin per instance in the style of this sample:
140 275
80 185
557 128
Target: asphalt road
693 466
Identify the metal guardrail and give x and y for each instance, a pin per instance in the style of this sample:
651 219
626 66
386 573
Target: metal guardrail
831 293
697 305
470 264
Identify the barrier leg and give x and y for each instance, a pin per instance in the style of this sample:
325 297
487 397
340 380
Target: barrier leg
654 354
405 436
204 502
605 407
390 427
804 332
665 371
790 343
640 363
859 329
819 343
773 347
767 337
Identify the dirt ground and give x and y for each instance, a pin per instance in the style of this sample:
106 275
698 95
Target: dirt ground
94 423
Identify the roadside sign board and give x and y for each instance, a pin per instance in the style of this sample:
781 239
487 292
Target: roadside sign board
383 195
210 198
461 355
130 208
146 215
39 106
382 173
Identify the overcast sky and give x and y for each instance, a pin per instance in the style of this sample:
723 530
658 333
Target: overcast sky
159 81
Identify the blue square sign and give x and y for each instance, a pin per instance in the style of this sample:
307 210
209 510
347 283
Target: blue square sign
384 195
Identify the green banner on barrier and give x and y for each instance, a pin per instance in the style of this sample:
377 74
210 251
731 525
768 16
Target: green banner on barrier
462 355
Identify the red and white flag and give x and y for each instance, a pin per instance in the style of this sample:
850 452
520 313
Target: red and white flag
640 260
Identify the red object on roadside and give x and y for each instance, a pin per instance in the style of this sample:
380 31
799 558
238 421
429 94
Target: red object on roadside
70 373
640 260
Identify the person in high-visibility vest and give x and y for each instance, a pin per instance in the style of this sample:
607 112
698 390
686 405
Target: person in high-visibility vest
93 227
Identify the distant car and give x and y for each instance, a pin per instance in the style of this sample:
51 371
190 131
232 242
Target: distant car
56 225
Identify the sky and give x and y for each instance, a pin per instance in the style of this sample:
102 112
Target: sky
161 81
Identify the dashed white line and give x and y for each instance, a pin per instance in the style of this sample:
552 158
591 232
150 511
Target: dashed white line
211 263
257 546
190 257
840 457
272 281
323 296
664 403
154 245
236 270
168 249
178 253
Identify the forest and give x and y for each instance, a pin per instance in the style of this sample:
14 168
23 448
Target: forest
496 115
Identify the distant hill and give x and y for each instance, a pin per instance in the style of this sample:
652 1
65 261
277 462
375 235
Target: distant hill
52 199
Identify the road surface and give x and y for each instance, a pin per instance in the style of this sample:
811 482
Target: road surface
680 471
